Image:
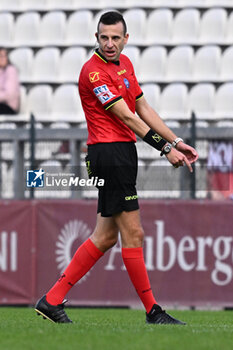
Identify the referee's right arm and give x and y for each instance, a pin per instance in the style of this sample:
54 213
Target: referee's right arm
137 125
122 111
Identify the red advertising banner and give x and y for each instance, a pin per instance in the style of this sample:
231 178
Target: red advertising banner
191 248
17 249
188 252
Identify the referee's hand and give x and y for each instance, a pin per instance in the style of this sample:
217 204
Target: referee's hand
184 154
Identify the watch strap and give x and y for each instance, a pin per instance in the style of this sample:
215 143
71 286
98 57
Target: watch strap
176 141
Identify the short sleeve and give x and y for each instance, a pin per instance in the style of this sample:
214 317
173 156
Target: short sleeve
138 90
104 89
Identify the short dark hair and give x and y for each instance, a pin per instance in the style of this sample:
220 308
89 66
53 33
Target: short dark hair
112 17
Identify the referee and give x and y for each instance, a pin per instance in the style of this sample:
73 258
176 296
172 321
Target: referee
110 96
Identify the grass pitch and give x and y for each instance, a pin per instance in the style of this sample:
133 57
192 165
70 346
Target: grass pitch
114 329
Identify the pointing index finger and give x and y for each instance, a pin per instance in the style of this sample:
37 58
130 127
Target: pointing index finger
188 164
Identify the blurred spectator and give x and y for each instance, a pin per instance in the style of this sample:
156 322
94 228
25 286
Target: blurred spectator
220 170
222 186
9 85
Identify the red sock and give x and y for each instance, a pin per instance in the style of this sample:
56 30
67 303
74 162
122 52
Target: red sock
84 258
135 265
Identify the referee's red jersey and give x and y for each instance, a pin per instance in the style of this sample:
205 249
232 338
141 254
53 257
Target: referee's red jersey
103 83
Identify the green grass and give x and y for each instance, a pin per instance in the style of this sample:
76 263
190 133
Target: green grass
110 329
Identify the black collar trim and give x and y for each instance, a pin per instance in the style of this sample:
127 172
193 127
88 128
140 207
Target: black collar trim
104 59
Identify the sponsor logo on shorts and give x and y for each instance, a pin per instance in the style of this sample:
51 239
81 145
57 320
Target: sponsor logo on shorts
131 198
88 166
103 93
94 76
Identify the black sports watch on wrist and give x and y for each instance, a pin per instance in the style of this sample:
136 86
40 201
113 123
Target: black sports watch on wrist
166 149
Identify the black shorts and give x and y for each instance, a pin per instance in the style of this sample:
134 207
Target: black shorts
116 163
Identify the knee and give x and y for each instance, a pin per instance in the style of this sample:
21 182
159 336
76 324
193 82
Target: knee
109 241
134 238
138 237
105 241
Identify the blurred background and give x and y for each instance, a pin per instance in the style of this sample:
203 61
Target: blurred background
182 51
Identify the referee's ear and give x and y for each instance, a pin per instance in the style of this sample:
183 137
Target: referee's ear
126 38
96 35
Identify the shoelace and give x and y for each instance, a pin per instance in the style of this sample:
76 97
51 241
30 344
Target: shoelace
60 314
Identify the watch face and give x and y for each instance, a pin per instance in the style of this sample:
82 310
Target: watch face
167 149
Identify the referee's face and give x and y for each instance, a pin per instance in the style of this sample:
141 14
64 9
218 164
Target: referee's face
111 39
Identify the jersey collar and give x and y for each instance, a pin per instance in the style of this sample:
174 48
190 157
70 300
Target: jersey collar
97 53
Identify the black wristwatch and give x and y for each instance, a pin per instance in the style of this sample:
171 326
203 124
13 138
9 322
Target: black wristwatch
166 149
